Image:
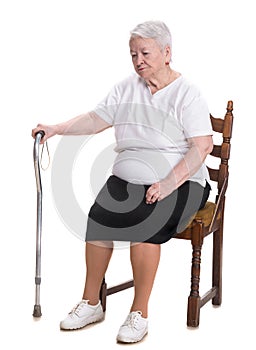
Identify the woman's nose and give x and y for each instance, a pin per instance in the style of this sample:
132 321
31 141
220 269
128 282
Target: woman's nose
139 61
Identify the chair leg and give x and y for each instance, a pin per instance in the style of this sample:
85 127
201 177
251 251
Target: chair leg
103 294
193 312
217 265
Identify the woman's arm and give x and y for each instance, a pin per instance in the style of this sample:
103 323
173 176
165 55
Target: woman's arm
199 148
84 124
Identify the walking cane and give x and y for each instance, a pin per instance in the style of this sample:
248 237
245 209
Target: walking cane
37 307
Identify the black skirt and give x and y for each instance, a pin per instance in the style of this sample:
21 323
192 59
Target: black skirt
120 212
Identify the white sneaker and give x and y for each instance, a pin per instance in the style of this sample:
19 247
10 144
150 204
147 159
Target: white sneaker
134 328
81 315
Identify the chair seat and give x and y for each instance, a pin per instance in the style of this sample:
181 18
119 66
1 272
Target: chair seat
205 214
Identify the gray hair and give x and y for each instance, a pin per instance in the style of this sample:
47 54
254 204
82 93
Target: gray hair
156 30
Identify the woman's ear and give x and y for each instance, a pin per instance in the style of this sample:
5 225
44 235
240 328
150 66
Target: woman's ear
168 54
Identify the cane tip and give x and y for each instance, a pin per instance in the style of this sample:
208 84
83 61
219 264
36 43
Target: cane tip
37 311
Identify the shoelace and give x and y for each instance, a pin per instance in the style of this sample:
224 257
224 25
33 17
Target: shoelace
133 319
77 308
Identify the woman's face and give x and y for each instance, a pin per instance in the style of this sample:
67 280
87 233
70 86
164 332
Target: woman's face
147 57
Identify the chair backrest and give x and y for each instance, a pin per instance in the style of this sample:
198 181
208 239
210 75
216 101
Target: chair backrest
222 151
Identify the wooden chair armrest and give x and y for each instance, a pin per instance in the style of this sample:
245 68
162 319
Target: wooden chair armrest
219 201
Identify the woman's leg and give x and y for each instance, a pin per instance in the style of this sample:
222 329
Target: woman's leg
144 259
97 257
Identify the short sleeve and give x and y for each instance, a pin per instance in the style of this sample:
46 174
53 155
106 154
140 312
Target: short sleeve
196 118
107 108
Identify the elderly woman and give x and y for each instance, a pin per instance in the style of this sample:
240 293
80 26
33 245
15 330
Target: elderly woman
159 179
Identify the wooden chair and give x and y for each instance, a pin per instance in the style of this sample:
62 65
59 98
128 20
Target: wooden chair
206 221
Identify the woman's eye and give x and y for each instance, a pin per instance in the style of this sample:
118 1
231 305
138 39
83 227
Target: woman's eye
145 53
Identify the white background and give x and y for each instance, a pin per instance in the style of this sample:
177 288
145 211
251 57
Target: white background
58 59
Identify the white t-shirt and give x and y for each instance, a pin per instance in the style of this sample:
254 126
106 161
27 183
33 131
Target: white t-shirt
152 130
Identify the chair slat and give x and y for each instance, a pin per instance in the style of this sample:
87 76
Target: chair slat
214 174
217 124
216 152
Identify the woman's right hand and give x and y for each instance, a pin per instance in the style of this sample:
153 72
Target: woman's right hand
49 130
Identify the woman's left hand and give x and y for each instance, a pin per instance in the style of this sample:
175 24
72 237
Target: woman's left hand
158 191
